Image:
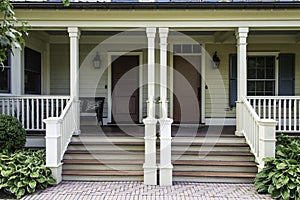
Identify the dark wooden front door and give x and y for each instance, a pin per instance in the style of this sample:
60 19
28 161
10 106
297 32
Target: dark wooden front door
125 89
187 81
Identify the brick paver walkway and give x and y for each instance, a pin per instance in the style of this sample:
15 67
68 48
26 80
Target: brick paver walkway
68 190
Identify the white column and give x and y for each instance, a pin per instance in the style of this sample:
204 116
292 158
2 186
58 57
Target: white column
166 167
241 36
16 72
74 34
150 166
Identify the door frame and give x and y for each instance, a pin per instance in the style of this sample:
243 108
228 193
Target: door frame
202 56
109 82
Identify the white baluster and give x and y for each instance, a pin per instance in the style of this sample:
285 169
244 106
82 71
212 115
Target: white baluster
284 114
27 113
279 115
295 114
290 114
33 110
37 114
23 113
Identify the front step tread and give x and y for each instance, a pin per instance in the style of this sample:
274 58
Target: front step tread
214 163
104 151
216 144
213 153
215 174
102 173
93 162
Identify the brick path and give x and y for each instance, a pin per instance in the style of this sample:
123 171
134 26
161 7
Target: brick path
68 190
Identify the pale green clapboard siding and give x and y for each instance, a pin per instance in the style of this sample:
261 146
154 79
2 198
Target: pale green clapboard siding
221 102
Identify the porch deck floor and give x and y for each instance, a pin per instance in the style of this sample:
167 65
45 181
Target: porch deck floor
138 130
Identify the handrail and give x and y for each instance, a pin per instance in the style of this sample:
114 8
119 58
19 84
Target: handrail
273 97
284 109
259 133
31 110
36 97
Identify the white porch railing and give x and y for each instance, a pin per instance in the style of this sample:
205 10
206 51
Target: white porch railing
284 109
59 131
259 133
32 110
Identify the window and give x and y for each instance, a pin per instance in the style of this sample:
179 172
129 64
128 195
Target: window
5 75
261 76
32 71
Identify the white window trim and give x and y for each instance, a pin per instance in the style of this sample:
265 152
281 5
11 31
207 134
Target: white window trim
275 54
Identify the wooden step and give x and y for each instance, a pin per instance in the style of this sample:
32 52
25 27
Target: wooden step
215 174
102 173
103 162
213 153
107 152
214 163
209 144
106 143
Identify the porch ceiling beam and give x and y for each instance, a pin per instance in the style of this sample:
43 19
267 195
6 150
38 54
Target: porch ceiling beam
297 38
222 36
166 23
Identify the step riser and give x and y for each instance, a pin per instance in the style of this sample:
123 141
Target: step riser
213 179
209 139
107 139
101 156
208 157
105 147
104 167
102 178
209 148
214 168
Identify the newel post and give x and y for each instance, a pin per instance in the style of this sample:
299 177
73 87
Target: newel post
53 147
267 140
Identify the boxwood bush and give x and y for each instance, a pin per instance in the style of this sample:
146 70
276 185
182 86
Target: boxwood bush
281 175
24 172
12 133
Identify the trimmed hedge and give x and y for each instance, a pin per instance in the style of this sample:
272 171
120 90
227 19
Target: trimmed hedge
12 133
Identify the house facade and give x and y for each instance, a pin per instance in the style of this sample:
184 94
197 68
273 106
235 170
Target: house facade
207 63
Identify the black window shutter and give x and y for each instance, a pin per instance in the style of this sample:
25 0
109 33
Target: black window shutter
286 82
232 79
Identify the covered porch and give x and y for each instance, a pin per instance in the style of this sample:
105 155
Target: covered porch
70 70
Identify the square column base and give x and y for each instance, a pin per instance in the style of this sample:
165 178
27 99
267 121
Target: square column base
56 172
150 175
166 175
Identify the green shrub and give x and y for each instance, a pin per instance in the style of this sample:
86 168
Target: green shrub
12 134
281 175
24 172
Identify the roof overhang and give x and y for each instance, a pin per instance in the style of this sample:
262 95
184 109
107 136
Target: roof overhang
158 5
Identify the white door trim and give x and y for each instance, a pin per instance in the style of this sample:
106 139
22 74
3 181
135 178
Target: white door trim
109 84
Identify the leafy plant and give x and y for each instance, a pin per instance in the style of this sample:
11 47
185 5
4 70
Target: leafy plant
11 30
281 175
24 172
12 134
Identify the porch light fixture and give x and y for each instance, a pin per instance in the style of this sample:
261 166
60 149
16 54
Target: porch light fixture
216 61
97 61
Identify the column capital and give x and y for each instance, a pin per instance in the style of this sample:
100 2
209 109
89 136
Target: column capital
163 32
74 32
242 32
151 31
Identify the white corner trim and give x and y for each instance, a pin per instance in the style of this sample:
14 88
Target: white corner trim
220 121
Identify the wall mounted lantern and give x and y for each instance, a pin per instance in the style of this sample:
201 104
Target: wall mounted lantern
216 61
97 61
